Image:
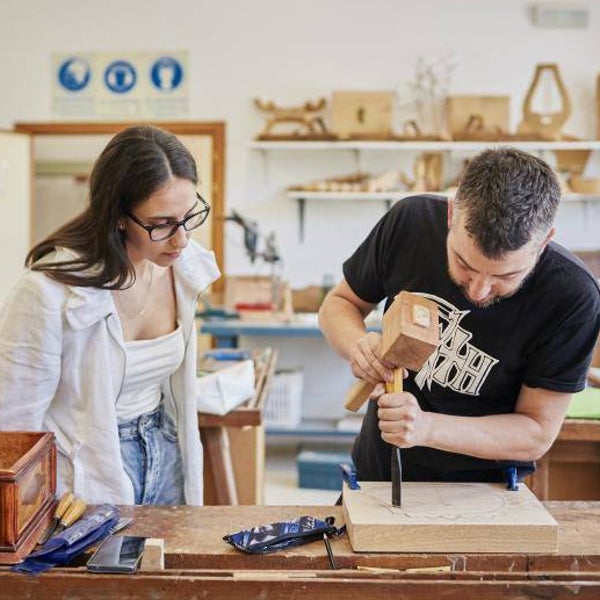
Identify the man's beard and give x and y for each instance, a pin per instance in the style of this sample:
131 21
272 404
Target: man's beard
490 301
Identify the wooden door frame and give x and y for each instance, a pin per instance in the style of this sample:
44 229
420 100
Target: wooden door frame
214 129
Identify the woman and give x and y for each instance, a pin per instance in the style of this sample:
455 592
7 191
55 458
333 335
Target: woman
98 340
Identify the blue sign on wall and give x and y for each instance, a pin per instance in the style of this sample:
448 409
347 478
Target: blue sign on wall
121 85
120 76
74 74
166 73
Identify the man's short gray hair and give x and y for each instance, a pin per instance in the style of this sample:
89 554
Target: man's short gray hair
508 198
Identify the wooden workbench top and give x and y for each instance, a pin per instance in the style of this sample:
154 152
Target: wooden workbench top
199 564
193 539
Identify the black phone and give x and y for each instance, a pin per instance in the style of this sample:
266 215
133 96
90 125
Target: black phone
117 554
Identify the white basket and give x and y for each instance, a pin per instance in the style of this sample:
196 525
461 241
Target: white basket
283 408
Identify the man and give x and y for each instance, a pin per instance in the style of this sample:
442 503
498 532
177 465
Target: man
519 317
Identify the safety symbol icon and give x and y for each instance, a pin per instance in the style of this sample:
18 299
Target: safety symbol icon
120 76
74 74
166 73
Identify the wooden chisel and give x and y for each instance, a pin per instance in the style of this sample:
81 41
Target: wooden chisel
61 508
75 511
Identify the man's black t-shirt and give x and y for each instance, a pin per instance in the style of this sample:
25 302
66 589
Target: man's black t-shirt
542 336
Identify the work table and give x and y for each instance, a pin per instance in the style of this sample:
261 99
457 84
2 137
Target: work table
198 563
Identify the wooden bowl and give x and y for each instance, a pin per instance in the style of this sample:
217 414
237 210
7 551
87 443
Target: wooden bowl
585 185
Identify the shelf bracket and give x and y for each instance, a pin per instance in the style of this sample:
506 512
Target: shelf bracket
357 160
301 209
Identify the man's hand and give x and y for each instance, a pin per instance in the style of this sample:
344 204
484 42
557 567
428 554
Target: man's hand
365 360
401 420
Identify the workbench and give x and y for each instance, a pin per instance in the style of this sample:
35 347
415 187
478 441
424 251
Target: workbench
199 564
571 468
234 443
301 346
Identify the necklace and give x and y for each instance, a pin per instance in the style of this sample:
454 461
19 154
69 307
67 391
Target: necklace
140 311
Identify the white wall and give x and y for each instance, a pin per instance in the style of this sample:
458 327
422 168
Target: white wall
293 51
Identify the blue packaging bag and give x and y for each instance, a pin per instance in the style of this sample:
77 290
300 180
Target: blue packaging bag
61 549
283 534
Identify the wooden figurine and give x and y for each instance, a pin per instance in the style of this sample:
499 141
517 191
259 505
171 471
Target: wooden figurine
428 173
545 125
312 124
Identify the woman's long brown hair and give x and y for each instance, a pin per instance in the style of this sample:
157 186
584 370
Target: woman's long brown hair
137 162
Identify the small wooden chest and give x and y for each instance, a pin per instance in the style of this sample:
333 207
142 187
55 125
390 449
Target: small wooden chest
27 490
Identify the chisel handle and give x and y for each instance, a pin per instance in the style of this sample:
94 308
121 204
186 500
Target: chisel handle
73 513
63 504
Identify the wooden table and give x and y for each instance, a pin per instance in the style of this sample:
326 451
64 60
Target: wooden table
199 564
571 468
234 444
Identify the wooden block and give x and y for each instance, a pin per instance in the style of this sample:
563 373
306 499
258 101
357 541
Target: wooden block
153 558
448 517
362 114
410 335
494 111
410 331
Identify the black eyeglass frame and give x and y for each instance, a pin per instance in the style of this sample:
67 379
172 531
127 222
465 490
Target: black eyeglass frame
205 211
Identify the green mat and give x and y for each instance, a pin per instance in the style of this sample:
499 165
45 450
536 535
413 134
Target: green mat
585 404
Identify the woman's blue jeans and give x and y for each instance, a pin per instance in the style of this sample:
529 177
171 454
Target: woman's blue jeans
152 459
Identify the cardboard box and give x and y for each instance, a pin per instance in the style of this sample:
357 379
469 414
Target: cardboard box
27 491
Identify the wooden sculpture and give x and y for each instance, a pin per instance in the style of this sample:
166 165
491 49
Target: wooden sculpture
545 125
311 124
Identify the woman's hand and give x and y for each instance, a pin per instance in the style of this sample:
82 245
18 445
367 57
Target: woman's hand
366 362
401 420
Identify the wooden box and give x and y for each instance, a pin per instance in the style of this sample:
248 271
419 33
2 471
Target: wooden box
494 112
27 490
366 115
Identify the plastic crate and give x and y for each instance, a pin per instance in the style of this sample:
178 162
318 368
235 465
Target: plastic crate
320 470
283 408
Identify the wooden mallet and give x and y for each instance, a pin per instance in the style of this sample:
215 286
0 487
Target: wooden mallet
410 335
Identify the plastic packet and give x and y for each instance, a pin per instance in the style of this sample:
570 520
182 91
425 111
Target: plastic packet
62 548
283 534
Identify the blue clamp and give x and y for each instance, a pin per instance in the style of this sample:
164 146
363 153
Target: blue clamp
512 479
349 475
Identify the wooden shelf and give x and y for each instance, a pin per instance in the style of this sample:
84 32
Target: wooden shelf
394 196
389 198
458 146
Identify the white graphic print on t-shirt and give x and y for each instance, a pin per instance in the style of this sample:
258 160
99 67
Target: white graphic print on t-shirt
457 364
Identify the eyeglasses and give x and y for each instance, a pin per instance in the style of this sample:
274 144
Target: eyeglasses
164 231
